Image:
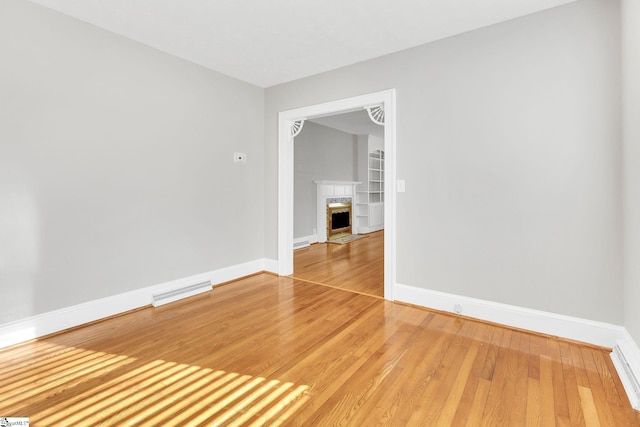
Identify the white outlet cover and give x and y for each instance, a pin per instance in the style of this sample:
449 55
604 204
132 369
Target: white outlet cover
239 157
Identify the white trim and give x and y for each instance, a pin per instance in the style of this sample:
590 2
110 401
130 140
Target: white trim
367 230
285 195
306 240
69 317
387 99
341 183
626 352
271 266
589 331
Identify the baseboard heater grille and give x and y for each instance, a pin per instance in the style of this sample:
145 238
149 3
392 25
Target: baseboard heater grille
629 380
302 244
176 294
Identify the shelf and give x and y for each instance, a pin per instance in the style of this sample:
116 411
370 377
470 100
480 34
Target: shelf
369 209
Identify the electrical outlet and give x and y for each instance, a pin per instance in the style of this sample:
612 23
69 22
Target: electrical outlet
239 157
457 308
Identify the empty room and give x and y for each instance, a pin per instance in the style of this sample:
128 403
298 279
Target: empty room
158 221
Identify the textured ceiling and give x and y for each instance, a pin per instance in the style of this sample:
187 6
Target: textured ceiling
267 42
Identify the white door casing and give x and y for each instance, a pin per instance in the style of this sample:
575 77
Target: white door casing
286 120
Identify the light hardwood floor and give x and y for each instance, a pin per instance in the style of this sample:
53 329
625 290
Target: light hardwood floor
279 351
357 266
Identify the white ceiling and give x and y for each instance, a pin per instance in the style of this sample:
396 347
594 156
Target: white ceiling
267 42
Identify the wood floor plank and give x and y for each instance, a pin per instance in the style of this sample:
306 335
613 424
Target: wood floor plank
535 394
501 391
357 266
433 399
597 389
415 353
450 406
534 404
520 351
561 403
588 407
333 371
547 392
576 414
269 350
476 411
399 391
470 398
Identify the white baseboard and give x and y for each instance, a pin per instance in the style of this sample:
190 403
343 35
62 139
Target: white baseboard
367 230
625 354
270 265
69 317
574 328
304 241
626 359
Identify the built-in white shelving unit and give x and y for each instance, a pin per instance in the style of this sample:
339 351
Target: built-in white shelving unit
370 195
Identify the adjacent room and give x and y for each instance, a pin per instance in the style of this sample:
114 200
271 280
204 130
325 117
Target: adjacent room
260 213
339 202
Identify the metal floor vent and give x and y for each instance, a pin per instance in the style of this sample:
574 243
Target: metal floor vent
302 244
176 294
626 374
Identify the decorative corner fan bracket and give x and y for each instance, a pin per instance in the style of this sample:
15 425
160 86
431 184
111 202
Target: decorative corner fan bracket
376 114
296 127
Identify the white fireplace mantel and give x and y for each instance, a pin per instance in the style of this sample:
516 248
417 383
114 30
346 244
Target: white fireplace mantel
331 190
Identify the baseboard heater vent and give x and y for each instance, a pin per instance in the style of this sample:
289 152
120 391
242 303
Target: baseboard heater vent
176 294
627 376
301 244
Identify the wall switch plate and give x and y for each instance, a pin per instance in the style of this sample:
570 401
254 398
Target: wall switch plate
239 157
401 185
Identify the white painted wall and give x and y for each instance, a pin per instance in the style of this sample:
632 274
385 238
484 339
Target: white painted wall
376 143
320 153
116 167
631 125
510 144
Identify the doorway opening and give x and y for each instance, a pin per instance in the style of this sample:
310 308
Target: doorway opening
290 122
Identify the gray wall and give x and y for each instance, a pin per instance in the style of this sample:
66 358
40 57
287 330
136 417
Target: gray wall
116 172
631 120
321 153
509 140
116 164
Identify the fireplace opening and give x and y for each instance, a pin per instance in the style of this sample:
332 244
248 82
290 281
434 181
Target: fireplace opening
338 219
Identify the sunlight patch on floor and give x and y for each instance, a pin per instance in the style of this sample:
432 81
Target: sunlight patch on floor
90 388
